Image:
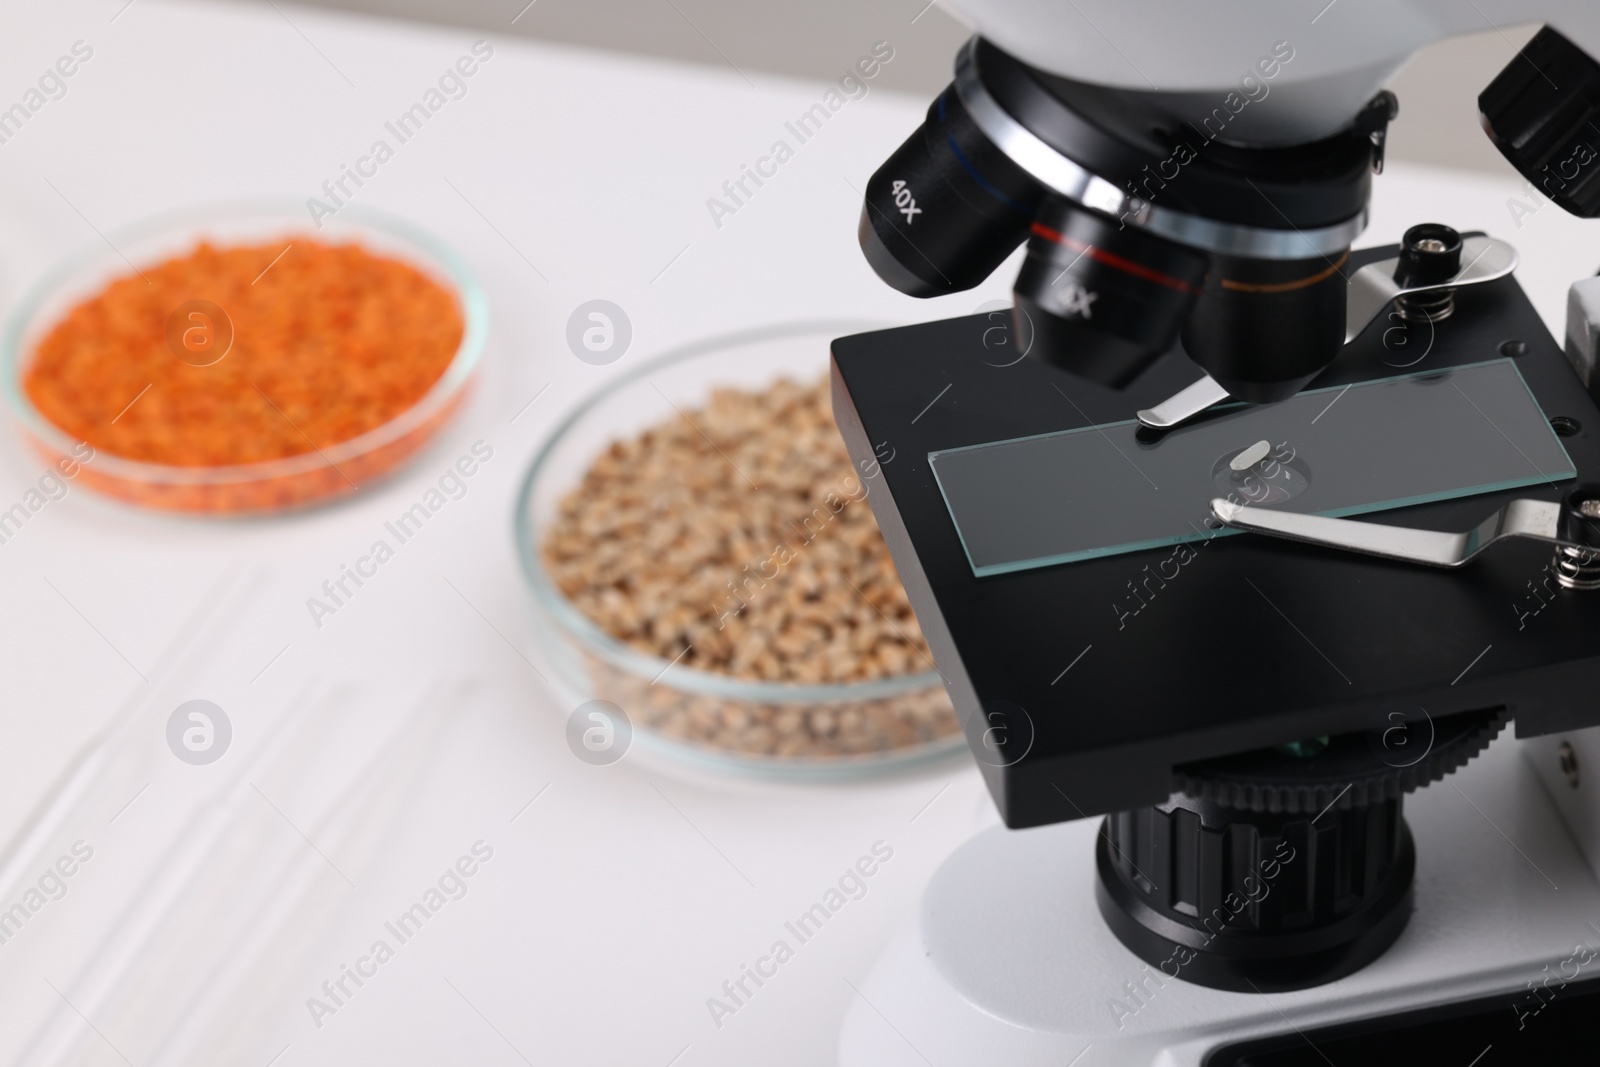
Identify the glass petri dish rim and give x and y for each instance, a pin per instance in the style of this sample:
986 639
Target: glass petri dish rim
687 679
446 261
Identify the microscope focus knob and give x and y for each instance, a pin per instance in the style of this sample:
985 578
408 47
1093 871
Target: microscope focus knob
1543 112
1256 902
1280 869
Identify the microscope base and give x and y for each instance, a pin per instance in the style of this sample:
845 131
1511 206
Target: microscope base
1009 960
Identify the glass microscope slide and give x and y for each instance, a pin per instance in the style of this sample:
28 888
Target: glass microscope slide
1346 450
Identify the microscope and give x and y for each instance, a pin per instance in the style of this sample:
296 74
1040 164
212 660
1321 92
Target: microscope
1228 538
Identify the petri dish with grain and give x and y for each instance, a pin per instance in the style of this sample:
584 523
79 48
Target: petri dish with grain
702 554
236 359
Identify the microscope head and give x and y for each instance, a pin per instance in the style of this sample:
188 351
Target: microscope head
1219 208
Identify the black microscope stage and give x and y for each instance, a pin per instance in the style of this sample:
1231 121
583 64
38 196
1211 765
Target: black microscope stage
1083 685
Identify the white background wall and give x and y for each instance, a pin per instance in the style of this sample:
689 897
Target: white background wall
1438 91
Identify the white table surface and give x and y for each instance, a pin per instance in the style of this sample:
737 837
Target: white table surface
625 896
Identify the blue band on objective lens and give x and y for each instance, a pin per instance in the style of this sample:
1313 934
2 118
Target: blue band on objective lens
983 183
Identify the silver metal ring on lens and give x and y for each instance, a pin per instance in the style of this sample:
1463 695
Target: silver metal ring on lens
1066 178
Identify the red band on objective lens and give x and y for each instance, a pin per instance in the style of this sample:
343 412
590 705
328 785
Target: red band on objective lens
1111 259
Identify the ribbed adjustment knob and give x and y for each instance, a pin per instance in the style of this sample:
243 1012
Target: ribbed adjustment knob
1256 900
1543 113
1265 876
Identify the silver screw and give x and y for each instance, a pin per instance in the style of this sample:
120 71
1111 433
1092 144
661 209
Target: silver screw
1569 763
1590 509
1430 244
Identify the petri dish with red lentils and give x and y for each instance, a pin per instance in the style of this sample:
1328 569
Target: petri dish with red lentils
240 359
